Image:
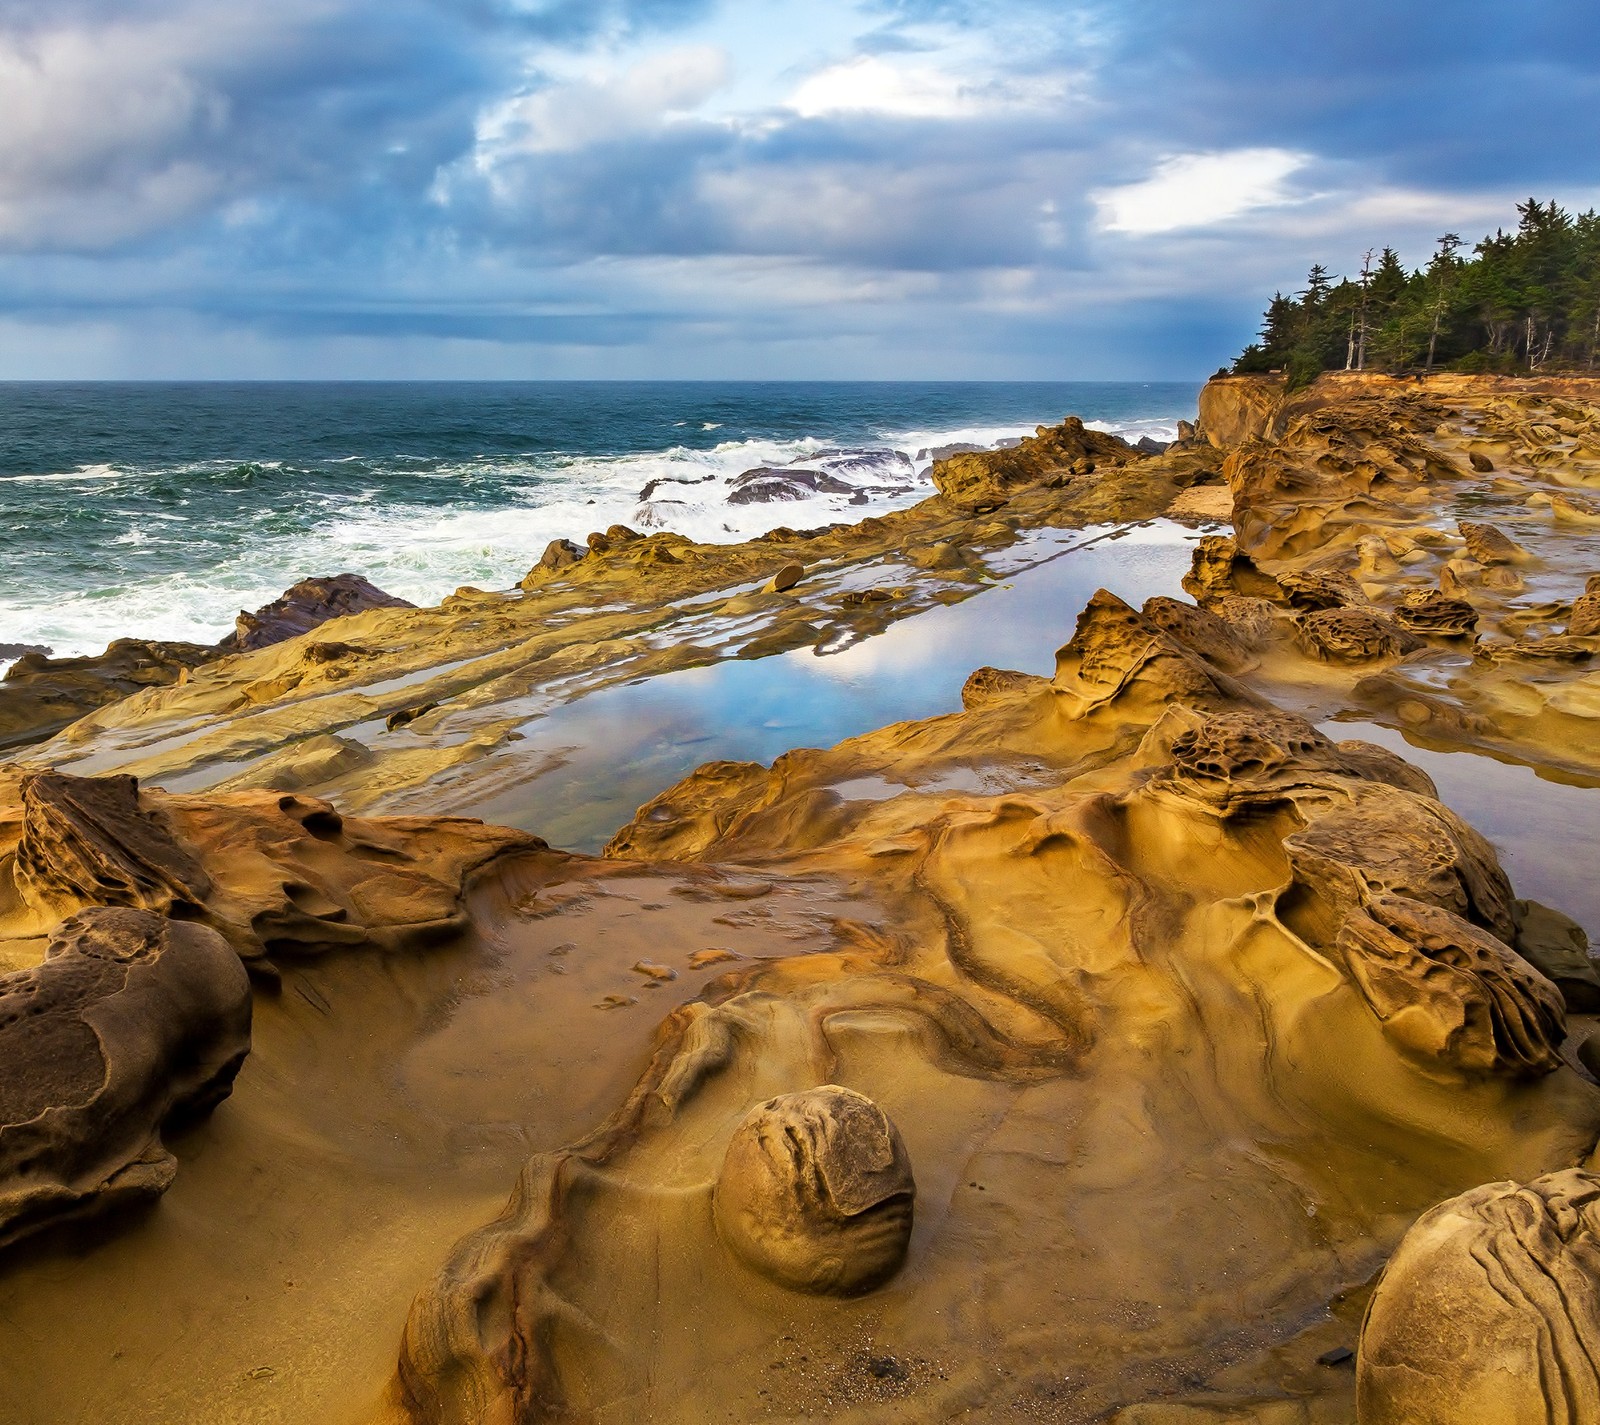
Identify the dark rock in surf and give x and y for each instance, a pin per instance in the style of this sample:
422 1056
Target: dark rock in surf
766 485
305 606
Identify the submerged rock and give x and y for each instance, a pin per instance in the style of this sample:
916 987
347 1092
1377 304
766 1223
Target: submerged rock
766 484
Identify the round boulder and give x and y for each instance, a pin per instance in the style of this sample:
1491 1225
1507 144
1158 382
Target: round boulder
816 1192
1487 1313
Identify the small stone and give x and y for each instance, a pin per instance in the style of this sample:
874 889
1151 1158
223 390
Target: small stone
943 555
785 579
701 959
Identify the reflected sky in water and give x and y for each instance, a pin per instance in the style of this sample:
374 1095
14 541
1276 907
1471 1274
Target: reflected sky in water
628 744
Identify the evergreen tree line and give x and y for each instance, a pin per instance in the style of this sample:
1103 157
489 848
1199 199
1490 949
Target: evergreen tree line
1520 302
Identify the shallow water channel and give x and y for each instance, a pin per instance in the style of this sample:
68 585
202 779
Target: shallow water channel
621 746
1545 830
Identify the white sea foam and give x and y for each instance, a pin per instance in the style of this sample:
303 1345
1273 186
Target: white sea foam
84 473
423 551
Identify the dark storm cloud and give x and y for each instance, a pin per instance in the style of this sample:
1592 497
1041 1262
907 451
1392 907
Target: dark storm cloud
124 121
1477 91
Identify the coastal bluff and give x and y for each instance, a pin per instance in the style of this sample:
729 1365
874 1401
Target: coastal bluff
1149 1036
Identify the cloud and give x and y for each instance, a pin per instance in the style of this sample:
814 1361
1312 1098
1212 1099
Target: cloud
1198 190
634 101
97 132
126 120
868 84
949 187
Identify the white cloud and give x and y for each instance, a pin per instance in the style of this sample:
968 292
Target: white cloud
92 128
1197 190
604 106
870 85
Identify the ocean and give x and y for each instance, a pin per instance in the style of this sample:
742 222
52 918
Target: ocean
158 510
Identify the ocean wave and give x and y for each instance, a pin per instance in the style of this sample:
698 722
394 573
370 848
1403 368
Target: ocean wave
423 533
61 477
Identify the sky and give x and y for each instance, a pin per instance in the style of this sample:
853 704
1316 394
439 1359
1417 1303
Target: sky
718 189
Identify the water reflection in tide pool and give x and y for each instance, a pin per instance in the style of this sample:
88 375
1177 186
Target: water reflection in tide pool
624 745
1545 831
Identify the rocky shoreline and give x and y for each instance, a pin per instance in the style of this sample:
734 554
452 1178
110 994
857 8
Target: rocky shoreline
1127 1046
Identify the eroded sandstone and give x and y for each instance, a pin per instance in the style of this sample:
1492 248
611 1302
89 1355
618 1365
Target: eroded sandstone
1184 1009
1172 863
1488 1311
130 1020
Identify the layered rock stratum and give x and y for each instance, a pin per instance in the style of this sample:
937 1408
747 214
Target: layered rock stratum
1147 1041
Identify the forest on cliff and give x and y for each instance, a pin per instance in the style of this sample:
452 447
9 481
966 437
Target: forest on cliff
1516 302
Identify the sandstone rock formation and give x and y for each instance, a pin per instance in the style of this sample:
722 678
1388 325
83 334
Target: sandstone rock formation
40 695
1358 515
816 1192
129 1020
1488 1311
279 876
130 917
1184 1005
1183 919
304 715
305 606
1056 452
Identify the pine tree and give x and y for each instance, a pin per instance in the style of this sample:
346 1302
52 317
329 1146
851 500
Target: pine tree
1441 271
1522 300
